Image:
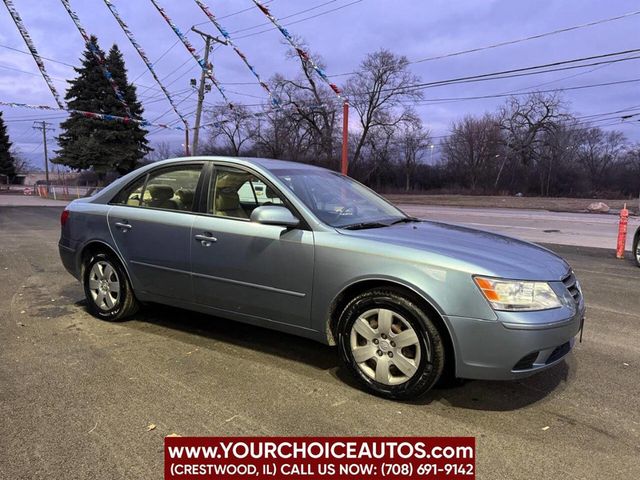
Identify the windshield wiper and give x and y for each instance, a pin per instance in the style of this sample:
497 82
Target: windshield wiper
405 220
363 225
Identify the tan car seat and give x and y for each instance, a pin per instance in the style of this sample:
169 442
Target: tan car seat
228 205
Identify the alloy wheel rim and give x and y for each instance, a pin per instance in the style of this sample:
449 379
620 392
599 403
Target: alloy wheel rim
104 285
638 253
385 346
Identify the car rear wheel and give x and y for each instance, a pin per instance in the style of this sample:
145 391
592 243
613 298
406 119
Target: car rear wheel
390 345
636 248
107 288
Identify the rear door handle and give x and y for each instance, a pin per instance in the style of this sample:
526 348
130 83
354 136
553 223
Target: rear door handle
123 226
205 240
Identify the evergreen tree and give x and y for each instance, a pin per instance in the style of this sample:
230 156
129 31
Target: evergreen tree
102 145
7 162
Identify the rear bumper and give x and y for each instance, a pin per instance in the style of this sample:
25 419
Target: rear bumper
495 350
68 257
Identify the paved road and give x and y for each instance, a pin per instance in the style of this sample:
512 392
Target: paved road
590 230
581 229
10 200
77 394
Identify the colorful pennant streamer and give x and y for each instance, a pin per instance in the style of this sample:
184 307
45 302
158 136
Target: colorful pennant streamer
227 37
300 51
145 59
32 48
99 116
97 55
192 50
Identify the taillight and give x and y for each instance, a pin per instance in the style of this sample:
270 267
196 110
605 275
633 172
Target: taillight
64 217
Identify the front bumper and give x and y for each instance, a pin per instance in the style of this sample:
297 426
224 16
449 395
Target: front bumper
507 350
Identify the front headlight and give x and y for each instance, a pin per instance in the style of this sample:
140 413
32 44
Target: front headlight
517 295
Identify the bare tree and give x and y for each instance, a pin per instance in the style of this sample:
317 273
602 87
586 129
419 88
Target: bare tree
376 92
472 147
234 128
413 141
598 151
278 132
311 106
526 120
22 164
380 149
160 151
273 135
557 151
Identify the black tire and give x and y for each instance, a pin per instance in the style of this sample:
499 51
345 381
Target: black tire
428 370
636 248
124 303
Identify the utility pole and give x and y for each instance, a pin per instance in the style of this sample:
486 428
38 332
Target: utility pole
201 88
344 163
44 127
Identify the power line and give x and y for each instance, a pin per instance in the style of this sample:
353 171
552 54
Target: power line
146 87
531 37
515 93
190 49
235 48
98 56
6 67
27 53
129 34
516 72
512 42
178 41
301 20
234 13
157 60
634 107
263 24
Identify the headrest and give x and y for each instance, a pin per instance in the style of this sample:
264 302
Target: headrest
161 192
186 195
227 201
270 192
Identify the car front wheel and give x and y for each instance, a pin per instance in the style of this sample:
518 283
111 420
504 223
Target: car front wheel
107 288
636 248
390 344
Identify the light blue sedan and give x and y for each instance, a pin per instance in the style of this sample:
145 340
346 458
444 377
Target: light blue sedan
310 252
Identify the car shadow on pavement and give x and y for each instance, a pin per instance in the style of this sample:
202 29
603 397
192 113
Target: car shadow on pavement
492 396
501 396
201 329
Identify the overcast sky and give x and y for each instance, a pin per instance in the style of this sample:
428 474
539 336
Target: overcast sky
342 32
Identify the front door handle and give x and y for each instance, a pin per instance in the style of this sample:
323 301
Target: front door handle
205 240
123 226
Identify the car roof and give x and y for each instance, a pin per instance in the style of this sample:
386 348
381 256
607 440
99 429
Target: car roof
264 163
260 164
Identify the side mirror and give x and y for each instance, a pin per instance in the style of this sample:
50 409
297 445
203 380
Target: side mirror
274 215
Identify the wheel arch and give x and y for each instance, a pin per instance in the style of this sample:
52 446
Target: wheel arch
430 307
96 246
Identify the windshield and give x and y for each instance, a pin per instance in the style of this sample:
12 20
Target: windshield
339 201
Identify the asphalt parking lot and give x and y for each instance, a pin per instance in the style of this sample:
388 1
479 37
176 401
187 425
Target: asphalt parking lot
78 396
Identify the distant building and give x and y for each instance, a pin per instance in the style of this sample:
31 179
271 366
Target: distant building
32 178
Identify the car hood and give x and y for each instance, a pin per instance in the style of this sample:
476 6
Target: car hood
477 251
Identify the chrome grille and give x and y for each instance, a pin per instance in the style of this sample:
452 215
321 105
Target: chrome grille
571 282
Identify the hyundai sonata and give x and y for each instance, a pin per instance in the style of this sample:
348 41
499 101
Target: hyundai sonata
307 251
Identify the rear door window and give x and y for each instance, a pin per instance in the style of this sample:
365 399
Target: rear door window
171 188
